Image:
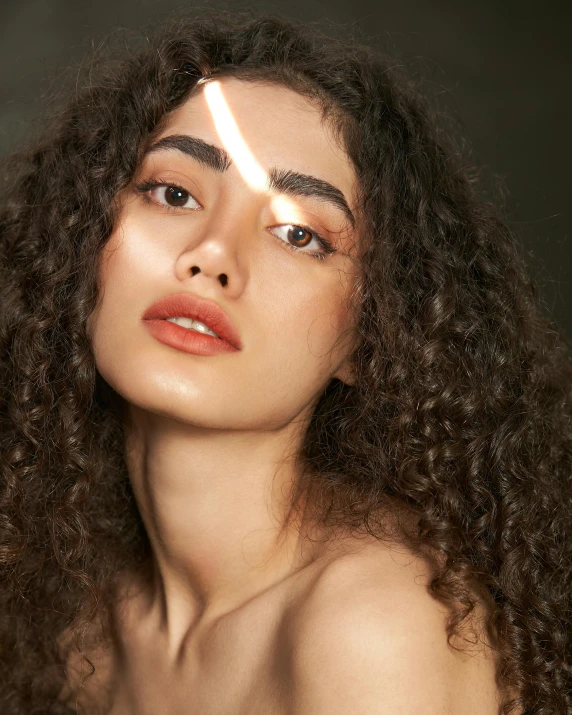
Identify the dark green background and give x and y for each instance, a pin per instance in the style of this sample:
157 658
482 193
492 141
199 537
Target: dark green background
502 68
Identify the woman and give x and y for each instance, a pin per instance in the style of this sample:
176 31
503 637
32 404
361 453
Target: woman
283 428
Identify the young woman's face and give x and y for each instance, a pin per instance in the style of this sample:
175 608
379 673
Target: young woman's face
229 206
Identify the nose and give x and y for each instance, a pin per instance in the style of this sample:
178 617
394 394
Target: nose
222 277
216 257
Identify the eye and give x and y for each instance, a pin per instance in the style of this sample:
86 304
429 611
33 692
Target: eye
169 195
174 196
300 238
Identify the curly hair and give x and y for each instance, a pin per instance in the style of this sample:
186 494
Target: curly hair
461 409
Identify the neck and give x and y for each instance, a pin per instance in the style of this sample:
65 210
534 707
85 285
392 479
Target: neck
217 509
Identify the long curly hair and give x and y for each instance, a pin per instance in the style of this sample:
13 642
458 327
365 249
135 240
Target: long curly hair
461 409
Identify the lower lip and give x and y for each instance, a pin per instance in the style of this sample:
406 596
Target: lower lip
189 341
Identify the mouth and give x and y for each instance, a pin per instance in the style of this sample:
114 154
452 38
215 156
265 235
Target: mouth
196 316
190 324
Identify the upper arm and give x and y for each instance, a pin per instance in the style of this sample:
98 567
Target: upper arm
369 666
375 652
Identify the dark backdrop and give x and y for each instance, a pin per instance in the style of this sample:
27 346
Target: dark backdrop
502 67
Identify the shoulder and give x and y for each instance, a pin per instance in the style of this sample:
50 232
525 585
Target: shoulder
370 638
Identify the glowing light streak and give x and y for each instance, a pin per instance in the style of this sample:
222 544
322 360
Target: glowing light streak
232 139
242 157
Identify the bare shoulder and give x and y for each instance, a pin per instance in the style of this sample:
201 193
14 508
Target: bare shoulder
370 638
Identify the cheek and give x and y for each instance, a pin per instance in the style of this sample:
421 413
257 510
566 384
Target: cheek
319 321
120 278
128 266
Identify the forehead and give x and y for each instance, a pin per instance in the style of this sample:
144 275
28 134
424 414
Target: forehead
280 128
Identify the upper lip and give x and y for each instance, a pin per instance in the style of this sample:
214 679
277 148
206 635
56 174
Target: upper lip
185 305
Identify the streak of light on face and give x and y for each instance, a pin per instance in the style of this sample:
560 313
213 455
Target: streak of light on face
239 151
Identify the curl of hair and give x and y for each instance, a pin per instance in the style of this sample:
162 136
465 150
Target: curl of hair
461 411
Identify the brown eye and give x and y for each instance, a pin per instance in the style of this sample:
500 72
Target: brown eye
175 196
300 236
170 195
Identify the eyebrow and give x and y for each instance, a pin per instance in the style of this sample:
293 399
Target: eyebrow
282 180
294 184
207 154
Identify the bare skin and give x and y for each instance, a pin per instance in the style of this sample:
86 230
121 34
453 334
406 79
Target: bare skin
229 621
249 662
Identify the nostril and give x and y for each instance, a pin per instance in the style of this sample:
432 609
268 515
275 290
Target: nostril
195 270
223 279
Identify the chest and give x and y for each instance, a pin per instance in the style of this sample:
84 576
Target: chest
241 667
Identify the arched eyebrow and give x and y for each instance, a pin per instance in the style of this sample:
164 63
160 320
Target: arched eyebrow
292 183
212 156
283 180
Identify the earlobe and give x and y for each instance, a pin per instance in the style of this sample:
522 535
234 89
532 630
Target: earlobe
346 374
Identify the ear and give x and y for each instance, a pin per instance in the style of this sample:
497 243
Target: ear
345 373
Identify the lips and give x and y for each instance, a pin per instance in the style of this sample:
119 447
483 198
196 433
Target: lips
185 305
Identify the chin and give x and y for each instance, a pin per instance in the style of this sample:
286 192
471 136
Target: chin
201 391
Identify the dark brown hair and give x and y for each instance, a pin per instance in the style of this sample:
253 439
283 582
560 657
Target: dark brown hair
461 411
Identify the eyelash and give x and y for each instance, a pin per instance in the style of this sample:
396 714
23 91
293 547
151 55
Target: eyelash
145 187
